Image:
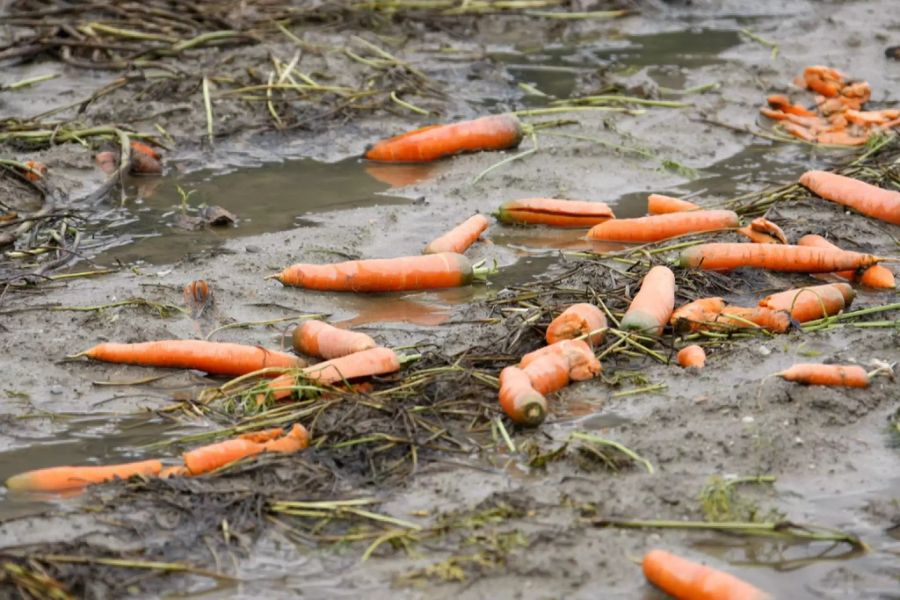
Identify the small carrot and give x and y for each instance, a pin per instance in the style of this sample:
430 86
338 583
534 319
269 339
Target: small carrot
775 257
658 204
662 227
142 148
692 356
764 231
197 297
576 320
784 104
810 303
817 374
878 277
739 317
496 132
59 479
518 398
38 170
214 456
460 237
688 580
317 338
653 305
693 315
824 80
863 197
554 212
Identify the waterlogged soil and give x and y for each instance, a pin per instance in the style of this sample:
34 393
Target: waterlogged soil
834 461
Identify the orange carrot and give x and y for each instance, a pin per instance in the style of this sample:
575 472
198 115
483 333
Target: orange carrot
878 277
757 237
431 271
780 257
554 212
460 237
824 80
38 170
837 375
871 117
783 103
317 338
142 148
692 356
739 317
548 373
519 400
144 159
496 132
58 479
662 227
799 131
688 580
841 138
653 305
551 367
197 297
657 204
217 358
693 315
214 456
576 320
764 231
868 199
810 303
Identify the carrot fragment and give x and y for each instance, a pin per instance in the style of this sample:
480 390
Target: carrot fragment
662 227
692 356
460 237
38 170
658 204
576 320
810 303
520 401
317 338
841 138
693 315
214 456
197 296
59 479
863 197
767 228
653 305
688 580
784 104
554 212
780 257
871 117
824 80
836 375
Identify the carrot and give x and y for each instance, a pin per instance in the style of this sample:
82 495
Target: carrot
764 231
799 131
824 80
878 277
688 580
868 199
197 297
693 315
810 303
662 227
460 237
405 273
837 375
653 305
871 117
519 400
214 456
217 358
841 138
692 356
577 320
582 364
317 338
548 373
142 148
739 317
780 257
58 479
554 212
38 170
496 132
783 103
657 204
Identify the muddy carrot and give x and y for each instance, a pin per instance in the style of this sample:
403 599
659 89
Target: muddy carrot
460 237
810 303
214 456
863 197
837 375
519 400
784 104
217 358
657 204
878 277
693 315
58 479
197 297
142 148
554 212
692 356
496 132
688 580
317 338
775 257
653 305
662 227
431 271
38 170
577 320
739 317
580 360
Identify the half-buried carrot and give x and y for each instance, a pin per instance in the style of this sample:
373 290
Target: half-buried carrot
687 580
576 320
658 204
460 237
317 338
60 479
863 197
837 375
810 303
653 305
554 212
775 257
496 132
693 315
692 356
662 227
877 277
214 456
519 400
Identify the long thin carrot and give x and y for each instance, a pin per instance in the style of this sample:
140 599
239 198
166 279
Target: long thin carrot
218 358
580 360
863 197
688 580
653 305
496 132
692 316
692 356
739 317
59 479
658 204
214 456
662 227
317 338
810 303
577 320
817 374
520 401
460 237
878 277
775 257
554 212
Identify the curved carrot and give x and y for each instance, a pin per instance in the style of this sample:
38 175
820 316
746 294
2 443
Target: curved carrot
58 479
548 373
780 257
810 303
837 375
658 204
554 212
577 320
460 237
580 360
662 227
317 338
217 358
757 237
214 456
863 197
764 227
739 317
692 356
693 315
496 132
653 305
688 580
520 401
878 277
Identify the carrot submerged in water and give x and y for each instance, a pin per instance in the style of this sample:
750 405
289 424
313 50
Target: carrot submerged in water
662 227
554 212
878 277
692 356
496 132
578 319
317 338
658 204
688 580
810 303
214 456
520 401
653 305
460 237
60 479
863 197
775 257
837 375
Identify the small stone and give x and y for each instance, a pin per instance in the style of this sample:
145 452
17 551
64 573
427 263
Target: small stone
748 419
56 390
798 441
764 351
252 249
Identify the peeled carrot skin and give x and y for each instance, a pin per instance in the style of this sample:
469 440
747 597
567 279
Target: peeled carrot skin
865 198
819 374
658 204
782 257
460 237
692 356
687 580
877 277
653 305
577 320
317 338
520 401
59 479
656 228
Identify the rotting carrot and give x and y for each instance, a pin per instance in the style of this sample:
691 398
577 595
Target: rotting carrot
687 580
214 456
460 237
653 305
692 356
818 374
217 358
863 197
496 132
662 227
878 277
775 257
430 271
317 338
578 319
810 303
59 479
740 317
693 315
554 212
579 359
658 204
520 401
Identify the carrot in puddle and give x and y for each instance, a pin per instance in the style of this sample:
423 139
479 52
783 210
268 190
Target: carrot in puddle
578 319
692 316
836 375
59 479
496 132
687 580
863 197
658 204
554 212
460 237
653 305
317 338
692 356
810 303
518 398
662 227
775 257
214 456
877 277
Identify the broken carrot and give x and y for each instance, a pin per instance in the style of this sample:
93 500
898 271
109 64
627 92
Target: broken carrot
693 315
59 479
863 197
520 401
317 338
578 319
810 303
460 237
878 277
688 580
554 212
775 257
658 204
654 303
784 104
692 356
662 227
818 374
215 456
764 231
823 80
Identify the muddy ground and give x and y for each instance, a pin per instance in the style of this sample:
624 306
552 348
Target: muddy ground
471 517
